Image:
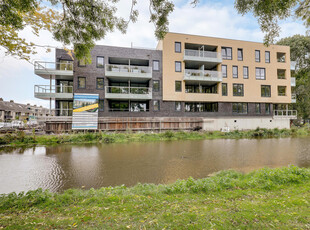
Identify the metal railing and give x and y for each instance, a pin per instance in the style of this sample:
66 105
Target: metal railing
208 74
62 112
285 113
128 90
128 68
64 66
53 89
293 81
200 53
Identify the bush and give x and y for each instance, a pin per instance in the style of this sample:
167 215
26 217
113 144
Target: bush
168 134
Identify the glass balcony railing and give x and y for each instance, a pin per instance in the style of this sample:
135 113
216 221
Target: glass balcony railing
112 70
202 75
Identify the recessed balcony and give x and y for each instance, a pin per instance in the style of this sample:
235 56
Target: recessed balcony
202 56
54 70
124 92
128 72
207 76
55 92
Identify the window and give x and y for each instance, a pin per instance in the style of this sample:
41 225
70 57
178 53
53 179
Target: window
240 108
119 106
245 72
155 65
156 105
177 106
100 83
178 86
201 107
82 62
267 108
238 90
281 90
81 82
178 66
257 108
177 47
266 91
224 89
100 62
139 106
101 105
227 53
155 85
240 54
260 73
281 73
235 71
224 71
267 56
257 55
281 57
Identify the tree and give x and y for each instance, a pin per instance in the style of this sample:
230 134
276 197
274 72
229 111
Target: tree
269 12
79 22
300 50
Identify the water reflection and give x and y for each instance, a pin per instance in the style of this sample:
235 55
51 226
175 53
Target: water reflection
65 166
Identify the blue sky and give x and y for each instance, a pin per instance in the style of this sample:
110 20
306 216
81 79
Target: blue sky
216 18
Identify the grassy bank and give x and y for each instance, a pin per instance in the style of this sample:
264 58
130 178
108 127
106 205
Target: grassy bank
264 199
20 138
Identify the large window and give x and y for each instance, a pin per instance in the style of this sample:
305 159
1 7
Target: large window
260 73
156 105
100 62
257 108
267 56
266 91
201 107
240 54
224 71
178 106
224 89
156 85
245 72
178 66
155 65
238 90
178 86
257 55
281 90
281 57
235 71
240 108
201 89
82 62
267 108
81 82
100 83
177 47
227 53
119 106
281 73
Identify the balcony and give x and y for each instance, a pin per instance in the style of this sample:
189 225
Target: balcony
293 81
291 114
59 70
293 98
56 92
202 76
202 56
135 93
128 72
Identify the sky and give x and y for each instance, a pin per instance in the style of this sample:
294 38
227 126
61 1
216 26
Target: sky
215 18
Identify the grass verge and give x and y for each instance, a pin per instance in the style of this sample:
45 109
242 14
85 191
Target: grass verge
20 139
263 199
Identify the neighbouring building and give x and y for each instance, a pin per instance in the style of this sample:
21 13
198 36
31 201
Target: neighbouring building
9 111
223 82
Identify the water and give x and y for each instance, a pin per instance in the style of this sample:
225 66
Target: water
94 166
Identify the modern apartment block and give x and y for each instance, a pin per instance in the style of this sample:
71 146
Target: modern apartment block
227 83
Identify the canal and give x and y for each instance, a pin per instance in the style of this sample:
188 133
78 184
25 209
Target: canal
99 165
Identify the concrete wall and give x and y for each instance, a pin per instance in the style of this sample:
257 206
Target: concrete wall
245 123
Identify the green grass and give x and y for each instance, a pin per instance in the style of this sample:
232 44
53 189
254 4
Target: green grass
263 199
20 139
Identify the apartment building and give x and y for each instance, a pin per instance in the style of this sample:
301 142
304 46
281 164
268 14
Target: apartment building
10 110
225 82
